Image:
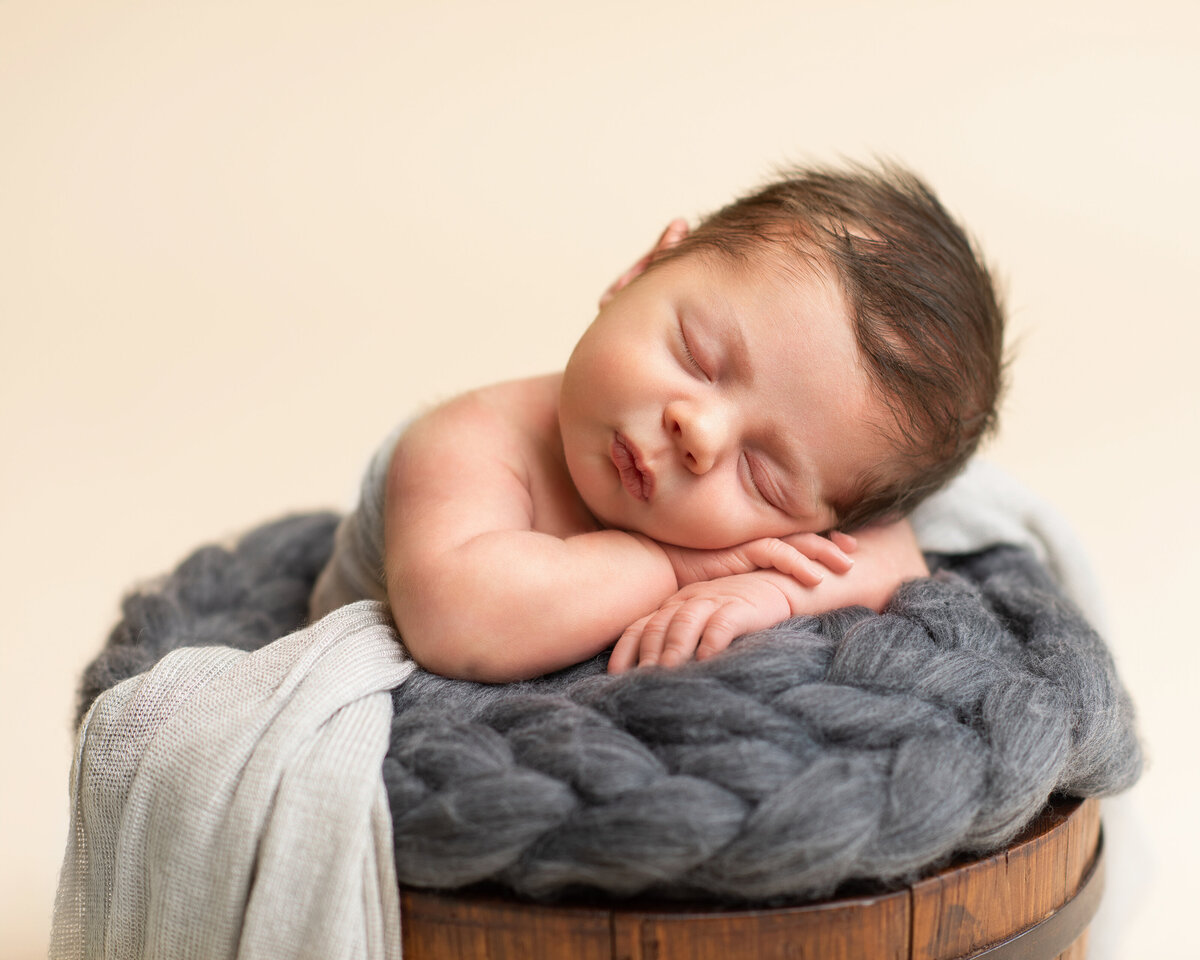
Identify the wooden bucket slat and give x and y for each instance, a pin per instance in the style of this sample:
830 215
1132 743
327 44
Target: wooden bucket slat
954 913
964 908
440 927
849 928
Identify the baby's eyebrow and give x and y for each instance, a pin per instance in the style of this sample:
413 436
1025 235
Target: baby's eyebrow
736 346
725 326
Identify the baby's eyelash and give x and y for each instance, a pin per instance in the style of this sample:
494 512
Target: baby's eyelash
688 355
754 482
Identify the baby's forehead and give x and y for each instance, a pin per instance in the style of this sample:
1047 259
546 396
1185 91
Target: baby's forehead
785 282
776 262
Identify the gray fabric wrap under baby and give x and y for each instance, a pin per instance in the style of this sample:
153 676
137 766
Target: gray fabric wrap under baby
852 746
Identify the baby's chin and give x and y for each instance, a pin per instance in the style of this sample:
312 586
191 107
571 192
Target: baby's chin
694 539
662 532
670 538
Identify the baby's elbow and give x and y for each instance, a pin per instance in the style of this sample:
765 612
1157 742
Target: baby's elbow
458 632
461 651
468 665
445 660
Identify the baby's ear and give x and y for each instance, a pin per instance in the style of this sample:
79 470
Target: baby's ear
676 231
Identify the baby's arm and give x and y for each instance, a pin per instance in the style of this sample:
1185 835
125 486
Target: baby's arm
702 619
478 592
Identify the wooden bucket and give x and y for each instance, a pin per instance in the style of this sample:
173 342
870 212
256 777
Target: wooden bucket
1032 901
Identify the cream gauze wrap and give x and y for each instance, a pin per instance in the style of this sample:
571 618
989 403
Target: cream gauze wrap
981 508
229 804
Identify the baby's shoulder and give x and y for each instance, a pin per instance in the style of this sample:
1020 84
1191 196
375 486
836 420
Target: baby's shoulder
501 423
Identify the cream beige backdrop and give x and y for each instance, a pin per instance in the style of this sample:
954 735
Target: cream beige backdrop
239 240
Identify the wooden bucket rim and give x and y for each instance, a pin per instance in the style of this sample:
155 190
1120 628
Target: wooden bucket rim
1054 817
1031 900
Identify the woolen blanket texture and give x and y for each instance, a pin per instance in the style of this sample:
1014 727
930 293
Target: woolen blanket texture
821 751
229 804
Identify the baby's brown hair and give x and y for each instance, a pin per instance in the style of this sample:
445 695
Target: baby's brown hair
927 318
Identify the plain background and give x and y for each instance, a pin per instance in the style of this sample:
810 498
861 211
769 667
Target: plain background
238 241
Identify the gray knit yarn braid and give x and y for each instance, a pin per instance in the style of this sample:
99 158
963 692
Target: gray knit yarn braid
824 750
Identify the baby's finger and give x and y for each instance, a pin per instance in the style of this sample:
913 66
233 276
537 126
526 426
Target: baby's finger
773 554
683 632
624 653
847 543
724 625
653 634
822 550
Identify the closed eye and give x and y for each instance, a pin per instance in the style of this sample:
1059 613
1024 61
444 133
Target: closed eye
756 483
689 356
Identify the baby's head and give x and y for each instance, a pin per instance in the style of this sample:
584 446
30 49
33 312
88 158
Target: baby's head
925 313
909 322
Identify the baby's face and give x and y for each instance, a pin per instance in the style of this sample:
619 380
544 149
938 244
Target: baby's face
711 403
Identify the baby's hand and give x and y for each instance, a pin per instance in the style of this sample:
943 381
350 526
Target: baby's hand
701 620
703 617
801 556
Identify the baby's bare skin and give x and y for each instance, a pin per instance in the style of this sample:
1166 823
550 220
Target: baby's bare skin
667 488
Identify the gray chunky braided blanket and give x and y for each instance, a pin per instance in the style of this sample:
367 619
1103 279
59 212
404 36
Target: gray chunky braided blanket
853 746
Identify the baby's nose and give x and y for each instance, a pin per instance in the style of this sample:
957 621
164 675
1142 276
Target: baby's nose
700 433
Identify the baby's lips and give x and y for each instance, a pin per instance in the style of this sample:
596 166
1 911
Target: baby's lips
636 475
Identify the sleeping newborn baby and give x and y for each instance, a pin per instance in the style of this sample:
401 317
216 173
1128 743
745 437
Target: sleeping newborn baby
817 357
